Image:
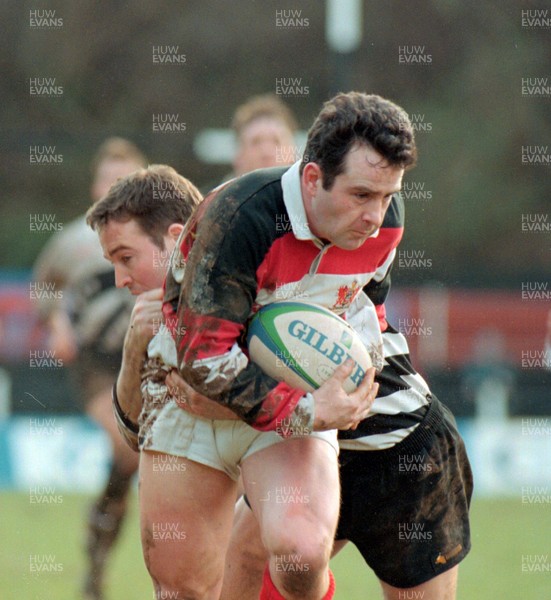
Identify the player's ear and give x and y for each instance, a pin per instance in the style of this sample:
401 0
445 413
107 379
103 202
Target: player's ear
174 230
311 175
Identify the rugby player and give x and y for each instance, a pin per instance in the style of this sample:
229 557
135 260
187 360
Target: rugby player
86 331
406 480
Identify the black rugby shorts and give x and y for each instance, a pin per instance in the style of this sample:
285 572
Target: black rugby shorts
406 508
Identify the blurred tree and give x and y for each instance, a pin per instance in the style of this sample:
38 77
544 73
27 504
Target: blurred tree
469 93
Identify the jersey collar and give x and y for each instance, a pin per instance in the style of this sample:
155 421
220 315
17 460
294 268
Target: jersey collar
292 197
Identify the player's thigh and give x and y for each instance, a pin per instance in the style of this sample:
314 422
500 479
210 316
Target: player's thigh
186 514
294 483
441 587
245 542
246 557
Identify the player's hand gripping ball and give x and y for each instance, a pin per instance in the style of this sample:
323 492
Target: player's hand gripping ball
302 344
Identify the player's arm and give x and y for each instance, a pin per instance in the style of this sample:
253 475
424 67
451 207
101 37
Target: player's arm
188 399
378 288
145 318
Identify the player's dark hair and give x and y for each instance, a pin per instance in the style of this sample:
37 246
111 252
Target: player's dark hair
155 197
356 118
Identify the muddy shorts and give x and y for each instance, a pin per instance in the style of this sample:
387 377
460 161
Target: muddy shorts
220 444
406 508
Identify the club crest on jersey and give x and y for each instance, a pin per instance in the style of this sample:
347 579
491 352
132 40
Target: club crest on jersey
346 294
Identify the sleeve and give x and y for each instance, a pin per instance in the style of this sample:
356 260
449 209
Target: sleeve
378 288
222 251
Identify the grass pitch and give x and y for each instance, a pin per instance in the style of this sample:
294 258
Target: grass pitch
510 559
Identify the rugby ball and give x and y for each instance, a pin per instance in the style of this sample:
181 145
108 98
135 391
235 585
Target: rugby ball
302 344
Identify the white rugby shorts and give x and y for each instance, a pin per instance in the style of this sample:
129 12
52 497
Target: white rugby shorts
220 444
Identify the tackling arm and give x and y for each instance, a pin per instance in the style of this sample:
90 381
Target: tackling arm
127 397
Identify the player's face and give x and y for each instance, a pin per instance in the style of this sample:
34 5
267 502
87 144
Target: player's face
264 142
355 206
140 265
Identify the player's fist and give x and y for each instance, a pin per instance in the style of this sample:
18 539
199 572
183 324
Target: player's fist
335 409
145 319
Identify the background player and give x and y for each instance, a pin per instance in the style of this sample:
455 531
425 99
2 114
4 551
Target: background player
264 128
87 330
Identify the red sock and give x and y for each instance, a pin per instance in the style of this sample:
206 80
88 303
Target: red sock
270 592
331 589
